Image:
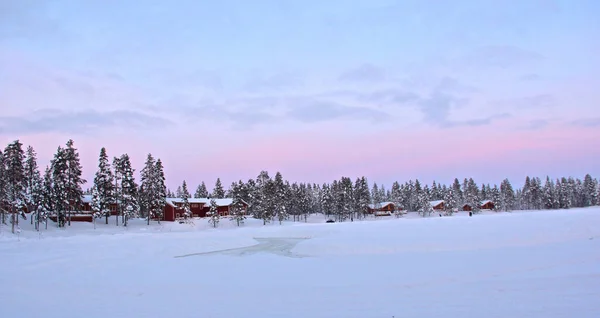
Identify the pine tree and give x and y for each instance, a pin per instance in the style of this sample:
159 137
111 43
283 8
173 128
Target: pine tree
49 200
33 188
74 179
3 190
507 196
590 193
495 196
147 187
159 199
215 217
201 191
237 208
128 193
279 191
59 186
218 191
185 195
103 191
424 202
449 202
14 157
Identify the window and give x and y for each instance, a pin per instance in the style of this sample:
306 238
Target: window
194 205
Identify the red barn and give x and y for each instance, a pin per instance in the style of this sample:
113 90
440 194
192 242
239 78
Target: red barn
200 207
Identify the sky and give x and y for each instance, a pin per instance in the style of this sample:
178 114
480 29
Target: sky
390 90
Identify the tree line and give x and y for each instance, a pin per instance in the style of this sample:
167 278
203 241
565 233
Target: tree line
58 192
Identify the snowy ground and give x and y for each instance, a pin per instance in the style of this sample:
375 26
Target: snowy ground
520 264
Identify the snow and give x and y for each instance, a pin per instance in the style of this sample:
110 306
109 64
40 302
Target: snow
436 202
519 264
205 201
380 205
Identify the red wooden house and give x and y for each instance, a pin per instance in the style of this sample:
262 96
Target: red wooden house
487 205
200 207
383 208
484 205
438 205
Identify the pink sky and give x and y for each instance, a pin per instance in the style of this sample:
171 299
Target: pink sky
486 92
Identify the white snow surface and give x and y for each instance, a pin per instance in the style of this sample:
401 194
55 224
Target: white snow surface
519 264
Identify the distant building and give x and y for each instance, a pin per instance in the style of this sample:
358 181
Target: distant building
383 208
200 207
438 205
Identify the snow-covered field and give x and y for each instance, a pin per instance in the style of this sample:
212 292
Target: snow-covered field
520 264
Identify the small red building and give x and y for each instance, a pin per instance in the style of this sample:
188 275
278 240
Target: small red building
86 205
383 208
487 205
438 205
200 207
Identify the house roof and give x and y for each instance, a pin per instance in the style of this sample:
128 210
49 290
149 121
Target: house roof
381 205
484 202
436 202
205 201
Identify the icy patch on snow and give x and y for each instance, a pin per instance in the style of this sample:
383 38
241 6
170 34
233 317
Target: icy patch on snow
273 245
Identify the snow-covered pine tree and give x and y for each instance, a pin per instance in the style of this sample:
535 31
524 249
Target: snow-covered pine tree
14 157
60 184
327 200
49 200
201 191
160 191
565 193
118 177
218 191
507 196
74 179
424 202
458 193
495 196
396 198
185 206
103 190
237 208
292 201
362 197
472 196
376 196
215 217
590 193
3 190
33 188
305 201
128 200
449 201
147 187
280 190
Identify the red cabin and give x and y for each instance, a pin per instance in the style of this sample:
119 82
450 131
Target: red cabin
200 207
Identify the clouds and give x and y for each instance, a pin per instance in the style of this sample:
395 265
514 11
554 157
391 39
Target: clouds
79 122
364 73
498 56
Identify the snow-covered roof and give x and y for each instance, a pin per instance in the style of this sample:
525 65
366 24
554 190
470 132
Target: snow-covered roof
205 201
380 205
86 198
436 202
484 202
